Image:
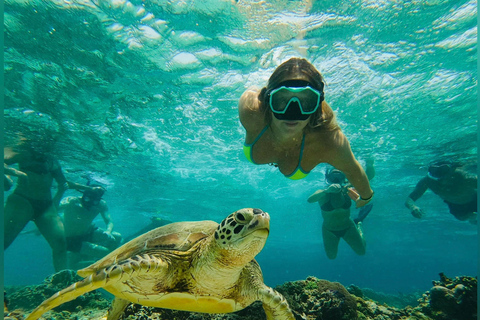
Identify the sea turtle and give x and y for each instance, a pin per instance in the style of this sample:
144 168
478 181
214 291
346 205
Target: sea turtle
199 266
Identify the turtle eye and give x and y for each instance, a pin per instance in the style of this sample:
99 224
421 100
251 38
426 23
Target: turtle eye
243 217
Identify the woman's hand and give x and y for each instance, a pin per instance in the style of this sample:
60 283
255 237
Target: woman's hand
355 196
334 188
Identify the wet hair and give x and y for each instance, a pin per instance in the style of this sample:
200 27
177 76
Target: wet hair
299 69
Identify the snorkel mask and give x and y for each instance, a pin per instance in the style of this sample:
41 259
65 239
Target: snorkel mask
438 171
335 176
92 197
294 100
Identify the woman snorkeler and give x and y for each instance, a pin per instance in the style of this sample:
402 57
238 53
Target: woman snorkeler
289 124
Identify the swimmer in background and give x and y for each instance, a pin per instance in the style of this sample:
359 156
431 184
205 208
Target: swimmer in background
289 124
455 186
32 198
85 241
335 206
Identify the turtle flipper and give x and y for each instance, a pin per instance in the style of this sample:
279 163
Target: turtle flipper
103 278
117 308
275 305
75 290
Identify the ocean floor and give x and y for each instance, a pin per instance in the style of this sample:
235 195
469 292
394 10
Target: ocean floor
312 298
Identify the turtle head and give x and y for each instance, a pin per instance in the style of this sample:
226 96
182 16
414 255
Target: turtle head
244 232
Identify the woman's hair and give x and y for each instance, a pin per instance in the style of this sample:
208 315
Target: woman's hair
291 70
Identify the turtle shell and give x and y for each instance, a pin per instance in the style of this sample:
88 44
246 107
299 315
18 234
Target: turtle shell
179 236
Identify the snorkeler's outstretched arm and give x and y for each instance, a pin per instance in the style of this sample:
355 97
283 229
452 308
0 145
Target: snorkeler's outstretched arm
78 186
12 171
10 157
62 183
420 189
345 161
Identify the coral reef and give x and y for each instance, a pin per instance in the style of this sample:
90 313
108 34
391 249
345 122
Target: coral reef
451 299
399 300
319 299
310 299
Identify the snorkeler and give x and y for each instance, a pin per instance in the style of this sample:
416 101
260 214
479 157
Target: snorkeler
456 187
32 198
85 241
289 124
335 206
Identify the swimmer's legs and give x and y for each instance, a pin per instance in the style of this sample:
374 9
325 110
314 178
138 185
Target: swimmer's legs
354 238
330 243
17 213
51 227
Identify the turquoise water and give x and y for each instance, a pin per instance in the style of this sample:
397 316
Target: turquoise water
141 97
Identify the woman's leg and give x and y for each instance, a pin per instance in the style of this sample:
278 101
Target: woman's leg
330 243
354 238
17 213
51 226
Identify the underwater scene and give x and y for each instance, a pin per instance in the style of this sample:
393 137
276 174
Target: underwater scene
123 116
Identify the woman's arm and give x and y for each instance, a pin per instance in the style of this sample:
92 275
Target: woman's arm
11 157
78 186
249 111
62 184
344 160
318 196
13 172
322 196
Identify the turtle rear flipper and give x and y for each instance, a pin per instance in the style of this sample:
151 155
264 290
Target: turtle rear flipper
275 305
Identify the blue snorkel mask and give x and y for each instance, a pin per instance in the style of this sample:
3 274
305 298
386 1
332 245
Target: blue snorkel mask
294 100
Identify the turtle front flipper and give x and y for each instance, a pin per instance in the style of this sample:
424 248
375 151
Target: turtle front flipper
112 278
117 308
275 305
88 284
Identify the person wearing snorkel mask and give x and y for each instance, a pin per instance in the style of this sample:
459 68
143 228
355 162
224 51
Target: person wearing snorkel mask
335 204
85 241
455 186
289 124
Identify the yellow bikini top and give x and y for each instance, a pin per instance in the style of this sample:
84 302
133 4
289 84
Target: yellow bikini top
297 174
